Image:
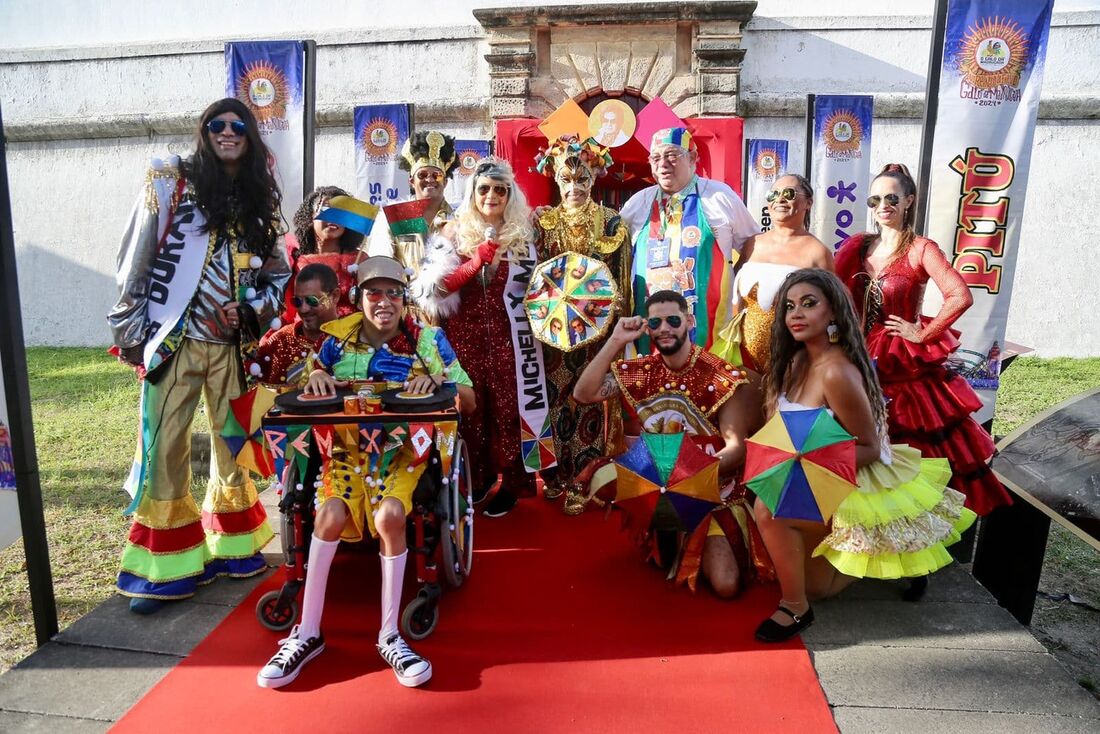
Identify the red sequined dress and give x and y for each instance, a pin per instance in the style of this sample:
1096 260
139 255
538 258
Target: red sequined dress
482 338
929 406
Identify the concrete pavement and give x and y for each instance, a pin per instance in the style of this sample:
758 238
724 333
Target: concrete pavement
954 662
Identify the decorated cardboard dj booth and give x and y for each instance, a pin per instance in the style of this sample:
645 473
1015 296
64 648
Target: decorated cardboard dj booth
613 123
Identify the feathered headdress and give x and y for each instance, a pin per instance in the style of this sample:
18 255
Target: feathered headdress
589 152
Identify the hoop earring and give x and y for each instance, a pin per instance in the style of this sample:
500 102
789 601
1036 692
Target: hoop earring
833 332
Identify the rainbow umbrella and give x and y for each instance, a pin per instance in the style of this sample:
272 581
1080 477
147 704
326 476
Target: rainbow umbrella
243 430
802 464
666 473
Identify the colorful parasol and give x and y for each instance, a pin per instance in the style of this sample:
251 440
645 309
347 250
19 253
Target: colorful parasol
802 464
243 430
666 475
571 301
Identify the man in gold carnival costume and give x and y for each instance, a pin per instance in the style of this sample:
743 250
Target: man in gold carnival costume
581 432
200 277
683 389
430 159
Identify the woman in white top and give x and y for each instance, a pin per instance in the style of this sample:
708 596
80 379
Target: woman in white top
766 260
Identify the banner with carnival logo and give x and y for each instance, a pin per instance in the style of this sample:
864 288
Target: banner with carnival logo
992 73
767 161
269 77
380 134
468 154
9 502
841 169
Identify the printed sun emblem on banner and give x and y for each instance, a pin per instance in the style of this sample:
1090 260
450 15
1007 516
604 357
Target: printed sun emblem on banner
993 53
843 132
766 164
264 89
467 161
379 139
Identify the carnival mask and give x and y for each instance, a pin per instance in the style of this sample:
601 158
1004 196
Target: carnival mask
575 185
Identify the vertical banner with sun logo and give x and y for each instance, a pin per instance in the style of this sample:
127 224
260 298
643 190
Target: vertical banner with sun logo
380 133
269 77
841 165
469 153
767 161
988 99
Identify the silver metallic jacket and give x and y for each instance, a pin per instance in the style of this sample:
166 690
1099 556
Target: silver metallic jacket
206 322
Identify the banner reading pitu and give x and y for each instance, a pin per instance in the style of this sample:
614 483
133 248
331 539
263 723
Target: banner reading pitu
993 57
841 165
268 77
767 161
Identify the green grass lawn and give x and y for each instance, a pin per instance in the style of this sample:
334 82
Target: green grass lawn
85 420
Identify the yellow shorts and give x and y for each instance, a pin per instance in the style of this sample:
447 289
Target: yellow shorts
362 492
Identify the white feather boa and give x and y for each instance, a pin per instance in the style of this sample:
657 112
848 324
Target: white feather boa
426 289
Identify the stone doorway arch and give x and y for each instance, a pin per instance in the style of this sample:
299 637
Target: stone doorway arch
688 53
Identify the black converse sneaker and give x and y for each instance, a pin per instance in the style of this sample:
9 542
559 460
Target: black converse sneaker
289 661
411 669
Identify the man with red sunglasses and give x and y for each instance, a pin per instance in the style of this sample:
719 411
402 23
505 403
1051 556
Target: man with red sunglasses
379 343
285 354
682 388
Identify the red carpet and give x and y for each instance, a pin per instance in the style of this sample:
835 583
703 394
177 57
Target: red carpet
561 627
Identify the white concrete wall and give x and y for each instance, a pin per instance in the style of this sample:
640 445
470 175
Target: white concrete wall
60 65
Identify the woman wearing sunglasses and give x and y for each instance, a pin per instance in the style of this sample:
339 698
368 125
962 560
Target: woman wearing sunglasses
484 258
767 259
929 406
317 242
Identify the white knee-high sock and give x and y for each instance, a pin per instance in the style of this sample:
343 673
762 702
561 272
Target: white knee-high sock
393 577
313 601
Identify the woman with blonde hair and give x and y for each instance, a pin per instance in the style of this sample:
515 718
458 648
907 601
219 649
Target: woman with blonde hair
478 270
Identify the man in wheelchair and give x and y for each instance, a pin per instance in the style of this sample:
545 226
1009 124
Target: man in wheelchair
379 343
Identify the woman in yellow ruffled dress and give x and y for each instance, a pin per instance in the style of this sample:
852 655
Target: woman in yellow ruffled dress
902 515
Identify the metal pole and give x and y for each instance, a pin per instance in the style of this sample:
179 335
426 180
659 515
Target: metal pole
745 171
931 111
810 102
309 109
13 357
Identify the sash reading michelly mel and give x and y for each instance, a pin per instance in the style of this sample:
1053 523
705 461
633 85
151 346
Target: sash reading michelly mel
407 217
349 212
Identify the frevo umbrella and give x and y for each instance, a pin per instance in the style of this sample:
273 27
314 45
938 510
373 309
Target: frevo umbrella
668 475
571 301
243 430
801 464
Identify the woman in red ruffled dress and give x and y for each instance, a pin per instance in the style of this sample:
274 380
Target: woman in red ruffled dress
929 406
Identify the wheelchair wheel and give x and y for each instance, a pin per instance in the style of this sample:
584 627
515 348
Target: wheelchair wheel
276 615
420 617
456 507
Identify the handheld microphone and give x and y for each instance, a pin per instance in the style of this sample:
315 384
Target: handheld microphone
483 276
